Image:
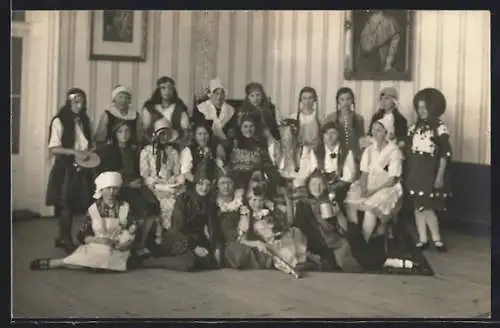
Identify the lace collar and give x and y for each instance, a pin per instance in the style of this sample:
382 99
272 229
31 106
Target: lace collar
233 205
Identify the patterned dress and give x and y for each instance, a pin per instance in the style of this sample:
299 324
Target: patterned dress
247 156
157 178
237 255
381 165
106 222
426 148
289 243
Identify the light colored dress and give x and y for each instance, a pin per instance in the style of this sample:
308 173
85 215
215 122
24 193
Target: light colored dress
157 181
100 256
290 245
309 128
381 166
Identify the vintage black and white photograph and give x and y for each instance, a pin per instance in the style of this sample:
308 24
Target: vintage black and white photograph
118 35
381 44
250 164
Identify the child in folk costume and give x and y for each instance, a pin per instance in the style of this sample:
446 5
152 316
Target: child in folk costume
161 170
389 105
269 231
203 146
108 248
69 186
123 157
221 116
429 156
266 116
250 153
334 243
378 192
333 158
192 217
351 122
165 102
229 208
119 110
308 120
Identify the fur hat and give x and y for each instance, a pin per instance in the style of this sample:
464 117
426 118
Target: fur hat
434 100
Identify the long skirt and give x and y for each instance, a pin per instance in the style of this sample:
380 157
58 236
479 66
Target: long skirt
354 254
384 203
98 256
243 257
69 186
167 202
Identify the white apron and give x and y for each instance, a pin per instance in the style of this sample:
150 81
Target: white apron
99 256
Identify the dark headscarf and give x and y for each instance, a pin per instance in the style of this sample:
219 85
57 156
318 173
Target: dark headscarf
69 118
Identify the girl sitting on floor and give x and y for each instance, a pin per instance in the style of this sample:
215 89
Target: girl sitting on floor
109 248
122 156
269 232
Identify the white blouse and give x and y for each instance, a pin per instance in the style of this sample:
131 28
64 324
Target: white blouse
81 142
309 162
374 160
167 114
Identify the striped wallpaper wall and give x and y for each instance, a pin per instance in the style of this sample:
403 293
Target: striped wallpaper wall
287 50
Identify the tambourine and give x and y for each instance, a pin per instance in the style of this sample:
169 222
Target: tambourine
92 161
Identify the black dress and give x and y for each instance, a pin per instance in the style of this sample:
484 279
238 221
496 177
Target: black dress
69 186
426 146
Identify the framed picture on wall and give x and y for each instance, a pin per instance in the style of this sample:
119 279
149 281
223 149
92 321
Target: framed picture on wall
379 45
118 35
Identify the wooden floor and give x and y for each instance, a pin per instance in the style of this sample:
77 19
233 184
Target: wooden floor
461 288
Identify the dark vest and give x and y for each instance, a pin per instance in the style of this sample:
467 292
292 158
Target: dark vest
197 158
69 126
321 154
179 109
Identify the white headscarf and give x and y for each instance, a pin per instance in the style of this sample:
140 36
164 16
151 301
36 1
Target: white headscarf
119 89
106 180
217 84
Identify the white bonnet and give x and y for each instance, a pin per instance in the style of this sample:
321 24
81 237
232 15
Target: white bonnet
105 180
119 89
216 84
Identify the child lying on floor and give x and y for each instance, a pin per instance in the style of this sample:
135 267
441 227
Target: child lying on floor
109 248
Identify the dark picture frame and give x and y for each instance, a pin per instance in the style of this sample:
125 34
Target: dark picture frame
118 35
379 45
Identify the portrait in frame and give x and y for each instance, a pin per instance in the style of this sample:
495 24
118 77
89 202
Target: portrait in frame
379 45
118 35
